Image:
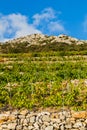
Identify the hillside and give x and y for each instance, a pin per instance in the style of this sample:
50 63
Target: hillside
45 79
40 42
52 73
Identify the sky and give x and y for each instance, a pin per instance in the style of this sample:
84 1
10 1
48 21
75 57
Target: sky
51 17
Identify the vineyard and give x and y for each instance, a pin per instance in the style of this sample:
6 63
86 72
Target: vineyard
43 79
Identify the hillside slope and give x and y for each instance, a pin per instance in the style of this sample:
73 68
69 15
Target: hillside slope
40 42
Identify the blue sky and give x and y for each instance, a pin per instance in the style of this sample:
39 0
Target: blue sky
51 17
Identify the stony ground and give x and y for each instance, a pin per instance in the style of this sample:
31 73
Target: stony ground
43 120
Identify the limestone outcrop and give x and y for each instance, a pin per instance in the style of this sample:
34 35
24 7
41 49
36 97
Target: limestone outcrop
40 39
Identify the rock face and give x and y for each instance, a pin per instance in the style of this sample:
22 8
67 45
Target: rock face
26 120
40 42
38 39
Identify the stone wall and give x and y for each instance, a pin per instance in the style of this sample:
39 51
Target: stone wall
44 120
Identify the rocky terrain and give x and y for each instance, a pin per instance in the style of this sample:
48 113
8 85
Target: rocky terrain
45 120
40 39
31 80
40 42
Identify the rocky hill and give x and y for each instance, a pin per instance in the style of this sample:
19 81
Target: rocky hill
40 42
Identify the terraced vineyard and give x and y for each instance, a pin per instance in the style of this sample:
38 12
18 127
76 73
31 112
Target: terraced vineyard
43 79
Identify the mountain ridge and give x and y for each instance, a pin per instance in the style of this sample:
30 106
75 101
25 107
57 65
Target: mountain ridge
41 42
33 37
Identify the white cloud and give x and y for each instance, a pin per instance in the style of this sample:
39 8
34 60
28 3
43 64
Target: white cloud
15 25
48 21
47 14
56 27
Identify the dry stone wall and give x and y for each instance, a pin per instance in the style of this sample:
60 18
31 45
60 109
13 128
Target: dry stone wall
26 120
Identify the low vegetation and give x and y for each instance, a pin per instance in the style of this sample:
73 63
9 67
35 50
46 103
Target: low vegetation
44 79
57 46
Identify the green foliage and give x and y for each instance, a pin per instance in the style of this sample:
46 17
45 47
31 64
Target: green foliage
60 47
38 79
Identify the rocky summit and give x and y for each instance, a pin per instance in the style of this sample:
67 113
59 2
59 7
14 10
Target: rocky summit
40 42
40 39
